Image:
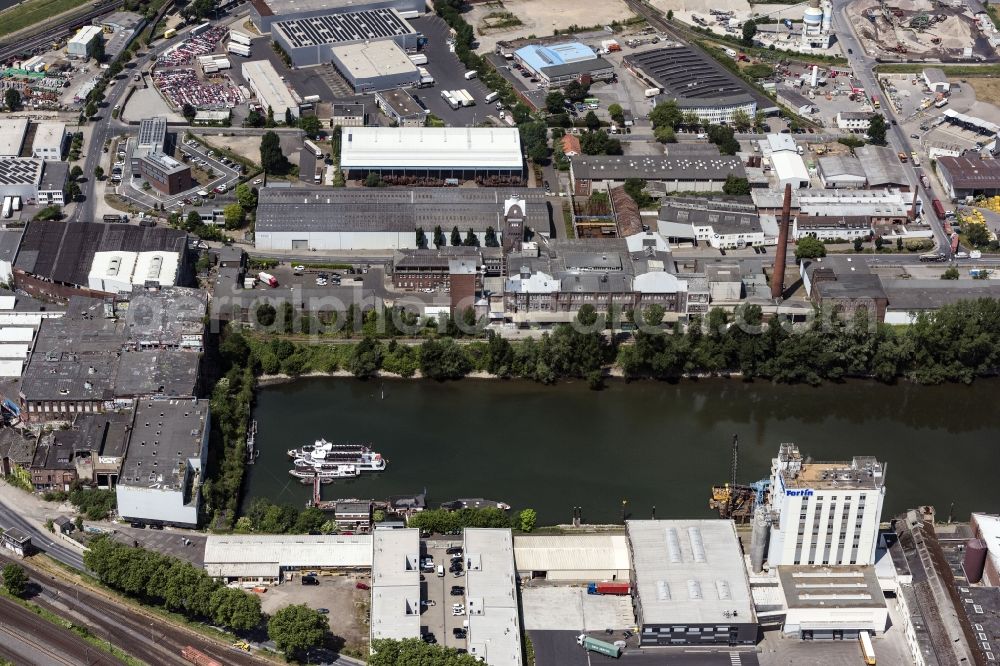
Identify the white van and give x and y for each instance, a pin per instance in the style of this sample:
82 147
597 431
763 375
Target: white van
489 99
440 571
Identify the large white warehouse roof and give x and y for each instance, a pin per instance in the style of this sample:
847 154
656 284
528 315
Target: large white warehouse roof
265 555
431 148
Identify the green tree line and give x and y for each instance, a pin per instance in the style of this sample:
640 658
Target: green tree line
174 584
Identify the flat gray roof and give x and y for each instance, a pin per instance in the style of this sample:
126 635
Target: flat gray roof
393 209
161 372
722 216
401 103
934 294
491 597
689 76
54 176
841 166
881 166
168 317
831 587
656 167
395 609
689 571
166 434
343 28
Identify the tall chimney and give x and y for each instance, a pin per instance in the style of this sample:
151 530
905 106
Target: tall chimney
913 209
778 276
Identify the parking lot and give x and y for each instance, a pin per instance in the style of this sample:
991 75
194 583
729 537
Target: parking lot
449 74
552 608
340 595
182 86
183 544
437 616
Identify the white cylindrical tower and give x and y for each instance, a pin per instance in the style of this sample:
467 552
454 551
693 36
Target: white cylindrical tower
827 17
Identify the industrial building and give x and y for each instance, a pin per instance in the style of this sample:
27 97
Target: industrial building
264 13
165 173
662 173
384 218
690 583
33 181
494 632
882 168
854 121
458 152
909 297
269 89
572 558
883 207
50 138
277 557
722 224
371 66
936 80
395 606
832 602
969 176
399 106
310 41
12 133
841 171
557 65
151 138
824 512
163 471
697 83
81 45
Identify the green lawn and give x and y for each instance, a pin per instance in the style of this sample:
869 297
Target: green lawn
33 12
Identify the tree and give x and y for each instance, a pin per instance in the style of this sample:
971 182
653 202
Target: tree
289 118
271 158
421 240
665 134
310 125
899 244
491 238
193 221
98 173
75 172
576 91
443 359
234 216
15 581
12 99
373 179
652 315
527 519
269 120
670 15
879 242
749 32
456 236
188 112
439 237
877 129
366 359
266 314
636 188
859 244
555 102
741 120
587 315
616 112
809 248
413 651
246 196
950 274
90 110
521 113
471 240
295 629
736 185
254 119
666 114
592 121
977 234
202 8
73 190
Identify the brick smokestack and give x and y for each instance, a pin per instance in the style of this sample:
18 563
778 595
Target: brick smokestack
778 276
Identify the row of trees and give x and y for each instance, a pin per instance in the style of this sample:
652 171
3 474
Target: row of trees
269 518
440 521
471 238
415 652
175 584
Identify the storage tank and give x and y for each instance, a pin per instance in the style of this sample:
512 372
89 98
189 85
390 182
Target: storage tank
813 15
759 538
827 16
975 559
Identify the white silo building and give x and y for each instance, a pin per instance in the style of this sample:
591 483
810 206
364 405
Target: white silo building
816 25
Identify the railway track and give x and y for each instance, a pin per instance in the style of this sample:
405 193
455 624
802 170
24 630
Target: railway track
44 39
25 638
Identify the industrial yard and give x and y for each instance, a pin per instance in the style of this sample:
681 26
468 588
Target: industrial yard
922 29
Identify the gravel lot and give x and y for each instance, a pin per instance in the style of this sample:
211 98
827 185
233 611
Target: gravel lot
346 603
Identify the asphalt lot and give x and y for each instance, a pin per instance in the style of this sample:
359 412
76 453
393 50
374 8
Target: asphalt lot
559 648
167 541
449 74
437 618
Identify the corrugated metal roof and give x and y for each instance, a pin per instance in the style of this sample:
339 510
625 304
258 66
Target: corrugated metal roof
431 148
248 552
571 552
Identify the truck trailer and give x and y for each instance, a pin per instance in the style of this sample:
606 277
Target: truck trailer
609 587
600 647
938 208
464 97
314 148
267 279
239 37
238 49
418 58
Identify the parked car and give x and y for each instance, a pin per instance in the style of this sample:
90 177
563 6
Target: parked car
361 586
457 590
310 580
458 632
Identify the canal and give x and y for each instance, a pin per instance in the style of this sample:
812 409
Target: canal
652 444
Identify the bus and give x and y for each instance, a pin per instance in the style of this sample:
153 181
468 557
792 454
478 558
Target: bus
313 147
867 651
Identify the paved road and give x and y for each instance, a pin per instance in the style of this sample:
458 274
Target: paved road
43 541
863 64
27 639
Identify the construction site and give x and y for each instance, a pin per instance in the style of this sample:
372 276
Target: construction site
737 500
924 29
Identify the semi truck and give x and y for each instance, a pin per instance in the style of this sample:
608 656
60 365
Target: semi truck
867 651
938 208
425 77
609 587
238 49
924 180
314 148
600 647
267 279
239 37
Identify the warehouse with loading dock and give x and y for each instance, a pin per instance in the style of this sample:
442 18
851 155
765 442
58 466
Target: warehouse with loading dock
310 41
372 66
264 13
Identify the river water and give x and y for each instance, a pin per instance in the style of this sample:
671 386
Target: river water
652 444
